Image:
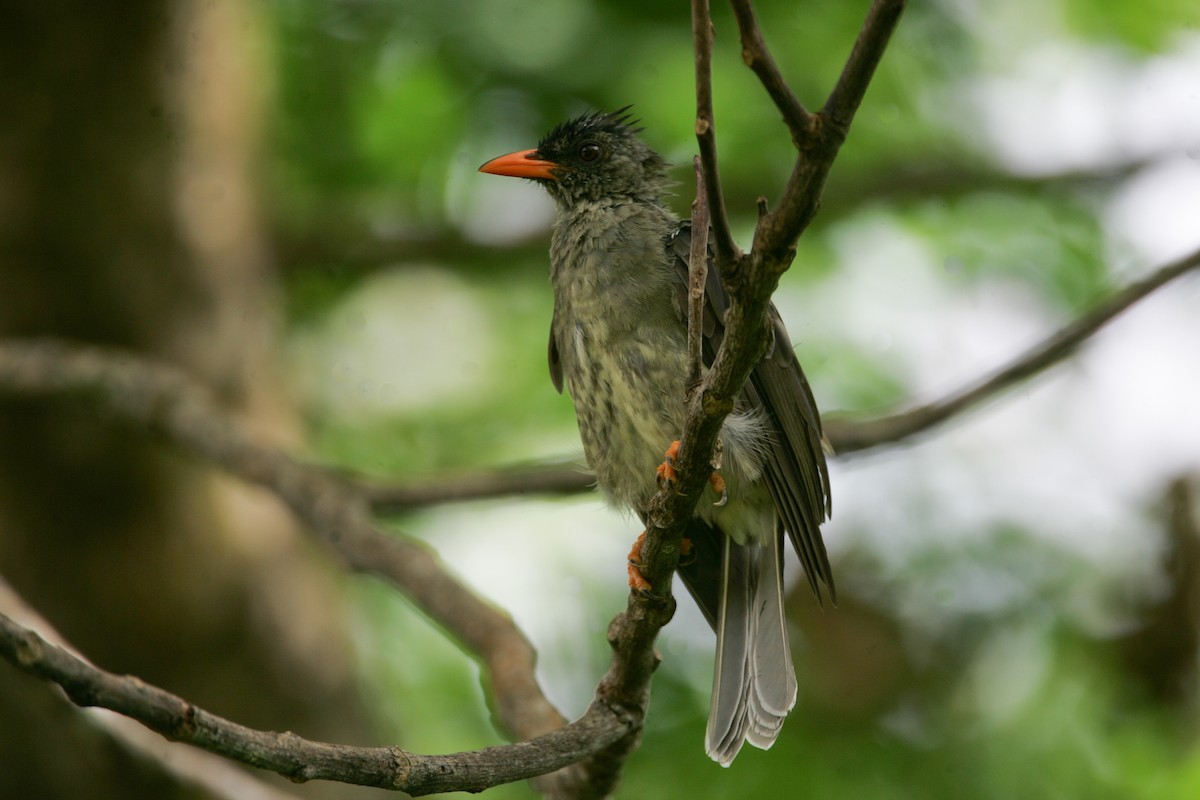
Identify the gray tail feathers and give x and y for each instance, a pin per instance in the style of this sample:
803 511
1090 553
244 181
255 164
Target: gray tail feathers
754 683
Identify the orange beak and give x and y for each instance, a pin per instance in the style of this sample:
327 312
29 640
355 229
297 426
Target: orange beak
521 164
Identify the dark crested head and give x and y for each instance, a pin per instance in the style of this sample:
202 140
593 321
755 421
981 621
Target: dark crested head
597 156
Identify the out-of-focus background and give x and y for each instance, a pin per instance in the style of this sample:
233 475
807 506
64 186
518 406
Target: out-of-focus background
282 197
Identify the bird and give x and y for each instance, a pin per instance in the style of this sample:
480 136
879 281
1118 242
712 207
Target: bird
618 344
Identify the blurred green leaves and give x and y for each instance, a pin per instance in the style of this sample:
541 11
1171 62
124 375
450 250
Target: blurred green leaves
1147 27
1051 244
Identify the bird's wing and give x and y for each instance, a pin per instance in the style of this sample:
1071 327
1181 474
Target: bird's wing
795 470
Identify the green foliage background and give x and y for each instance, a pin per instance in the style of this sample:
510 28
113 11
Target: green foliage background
384 109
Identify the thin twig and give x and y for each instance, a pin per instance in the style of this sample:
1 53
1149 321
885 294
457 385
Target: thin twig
697 278
759 59
726 249
777 231
868 49
552 478
939 179
358 250
848 436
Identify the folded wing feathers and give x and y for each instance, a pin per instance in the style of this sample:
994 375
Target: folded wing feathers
796 473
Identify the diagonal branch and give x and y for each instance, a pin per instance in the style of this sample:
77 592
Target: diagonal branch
290 755
163 400
777 232
759 59
852 84
849 436
216 777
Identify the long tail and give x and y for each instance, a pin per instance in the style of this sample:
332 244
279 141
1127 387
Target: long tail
754 683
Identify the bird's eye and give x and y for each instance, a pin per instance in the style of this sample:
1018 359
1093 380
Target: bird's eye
589 152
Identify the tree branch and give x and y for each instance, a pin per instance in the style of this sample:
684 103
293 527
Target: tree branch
187 766
750 279
697 278
163 400
290 755
563 477
726 249
777 232
758 58
852 84
849 436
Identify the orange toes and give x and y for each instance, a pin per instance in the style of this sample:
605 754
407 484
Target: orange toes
637 583
666 471
666 475
718 484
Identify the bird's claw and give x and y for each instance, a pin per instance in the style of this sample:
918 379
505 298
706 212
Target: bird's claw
718 484
637 583
666 475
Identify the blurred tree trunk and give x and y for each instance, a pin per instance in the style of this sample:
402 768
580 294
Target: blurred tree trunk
129 217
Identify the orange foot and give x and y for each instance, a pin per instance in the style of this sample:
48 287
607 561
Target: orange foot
637 583
667 476
666 470
718 484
